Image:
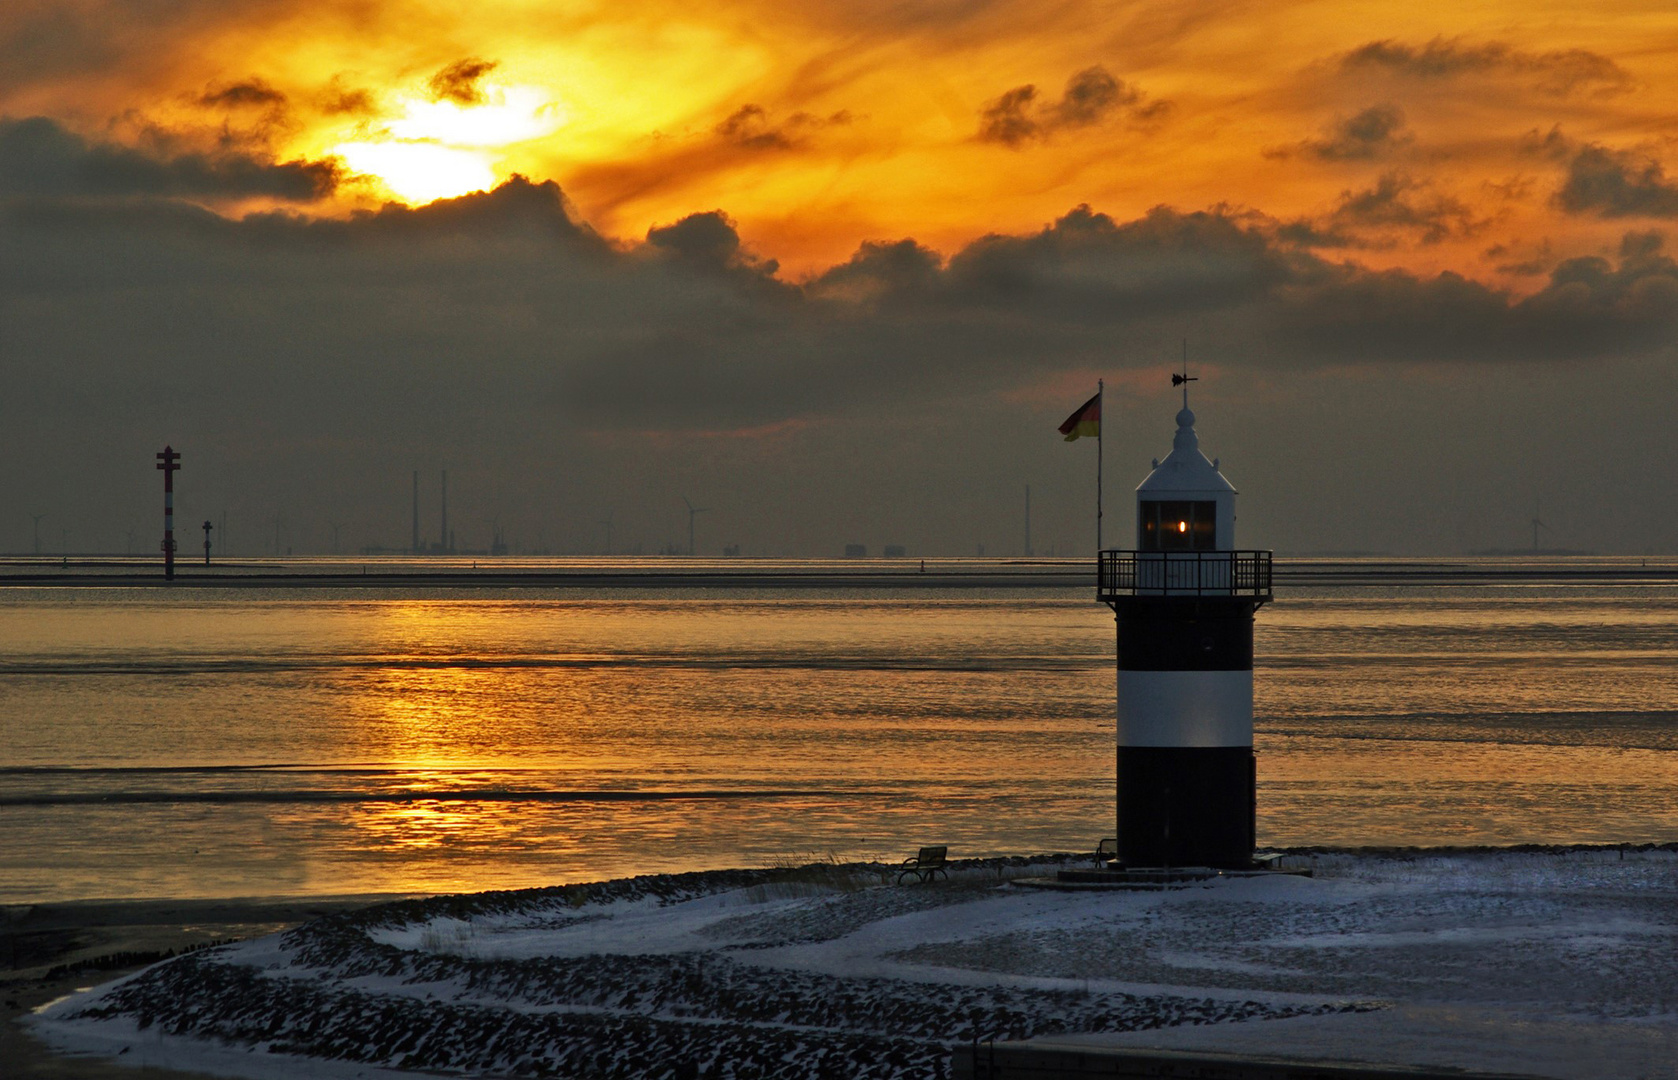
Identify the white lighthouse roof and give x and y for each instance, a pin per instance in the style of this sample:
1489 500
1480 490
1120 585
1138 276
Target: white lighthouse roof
1185 470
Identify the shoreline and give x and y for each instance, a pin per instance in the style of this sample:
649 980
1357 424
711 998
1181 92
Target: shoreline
936 574
75 945
102 914
100 941
57 948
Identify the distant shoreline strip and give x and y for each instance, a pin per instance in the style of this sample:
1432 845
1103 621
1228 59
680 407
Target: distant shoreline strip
132 798
725 662
1297 575
482 579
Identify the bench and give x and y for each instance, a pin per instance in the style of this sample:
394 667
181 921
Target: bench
926 865
1107 851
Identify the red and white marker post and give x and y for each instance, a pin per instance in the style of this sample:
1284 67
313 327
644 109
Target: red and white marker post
169 462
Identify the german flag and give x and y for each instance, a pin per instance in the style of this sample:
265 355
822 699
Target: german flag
1085 422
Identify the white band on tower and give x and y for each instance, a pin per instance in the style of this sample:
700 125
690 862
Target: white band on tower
1185 708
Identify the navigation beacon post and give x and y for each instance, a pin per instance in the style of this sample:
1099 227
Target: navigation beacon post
170 462
1184 601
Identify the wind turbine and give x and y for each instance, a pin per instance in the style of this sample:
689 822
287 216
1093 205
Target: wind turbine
1536 525
693 510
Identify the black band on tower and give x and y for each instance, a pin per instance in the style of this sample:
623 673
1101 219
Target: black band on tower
1186 771
1185 634
1186 806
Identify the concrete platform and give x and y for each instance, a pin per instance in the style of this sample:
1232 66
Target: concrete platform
1151 877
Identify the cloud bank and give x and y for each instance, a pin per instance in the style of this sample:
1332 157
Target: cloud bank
499 327
39 157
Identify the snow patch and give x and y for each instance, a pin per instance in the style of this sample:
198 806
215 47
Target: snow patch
796 971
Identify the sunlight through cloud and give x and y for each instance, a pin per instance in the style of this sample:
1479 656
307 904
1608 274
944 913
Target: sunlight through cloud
418 172
508 116
444 148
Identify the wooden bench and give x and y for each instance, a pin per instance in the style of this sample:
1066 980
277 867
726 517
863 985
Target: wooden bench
1107 851
926 865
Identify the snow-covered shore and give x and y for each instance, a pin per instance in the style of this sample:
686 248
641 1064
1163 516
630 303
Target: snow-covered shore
826 970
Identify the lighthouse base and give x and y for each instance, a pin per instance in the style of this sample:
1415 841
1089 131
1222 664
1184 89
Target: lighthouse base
1186 806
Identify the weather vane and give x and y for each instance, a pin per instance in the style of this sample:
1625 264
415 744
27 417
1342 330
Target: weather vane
1185 378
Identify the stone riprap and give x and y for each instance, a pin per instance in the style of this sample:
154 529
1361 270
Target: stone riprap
776 973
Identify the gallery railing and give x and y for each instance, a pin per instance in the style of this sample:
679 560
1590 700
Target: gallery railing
1184 573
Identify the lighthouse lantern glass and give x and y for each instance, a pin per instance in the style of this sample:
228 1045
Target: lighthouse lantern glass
1177 525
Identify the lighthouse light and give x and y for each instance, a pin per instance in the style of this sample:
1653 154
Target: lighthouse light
1177 525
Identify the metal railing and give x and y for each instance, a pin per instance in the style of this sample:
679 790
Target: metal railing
1184 573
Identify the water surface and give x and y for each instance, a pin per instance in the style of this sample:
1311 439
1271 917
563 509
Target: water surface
227 742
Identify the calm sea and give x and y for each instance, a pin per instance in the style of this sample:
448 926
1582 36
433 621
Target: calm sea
245 742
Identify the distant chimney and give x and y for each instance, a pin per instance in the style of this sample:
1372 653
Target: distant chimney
443 528
1028 521
416 515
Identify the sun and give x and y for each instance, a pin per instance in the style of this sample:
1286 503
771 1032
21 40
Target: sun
420 172
441 149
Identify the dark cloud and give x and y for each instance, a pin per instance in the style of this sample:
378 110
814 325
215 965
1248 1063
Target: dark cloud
1641 245
693 330
1013 308
338 98
1376 132
1558 72
1008 119
250 116
708 237
750 126
547 368
1092 96
40 157
1590 308
1308 232
50 41
1613 183
252 93
709 242
1090 269
461 81
1400 201
893 271
1397 209
1522 260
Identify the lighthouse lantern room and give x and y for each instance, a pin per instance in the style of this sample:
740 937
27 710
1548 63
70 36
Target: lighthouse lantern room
1184 602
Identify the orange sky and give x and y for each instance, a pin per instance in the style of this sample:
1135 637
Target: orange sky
1394 134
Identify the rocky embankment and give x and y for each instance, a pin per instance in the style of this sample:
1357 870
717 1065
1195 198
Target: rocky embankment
465 983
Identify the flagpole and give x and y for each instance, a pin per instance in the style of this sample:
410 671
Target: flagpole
1101 410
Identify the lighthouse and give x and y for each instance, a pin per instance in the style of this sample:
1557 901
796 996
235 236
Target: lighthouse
1184 600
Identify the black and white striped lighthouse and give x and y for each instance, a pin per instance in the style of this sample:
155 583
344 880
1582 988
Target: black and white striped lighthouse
1184 600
